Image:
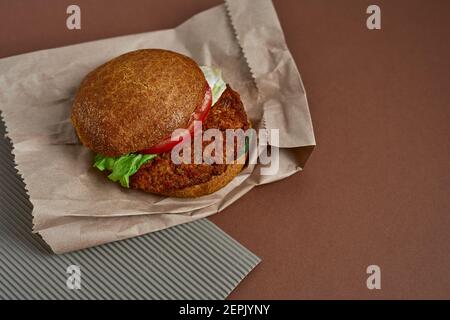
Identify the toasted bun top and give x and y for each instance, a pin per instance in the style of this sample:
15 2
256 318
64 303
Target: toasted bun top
137 99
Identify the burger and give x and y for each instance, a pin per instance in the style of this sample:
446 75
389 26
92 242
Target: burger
127 110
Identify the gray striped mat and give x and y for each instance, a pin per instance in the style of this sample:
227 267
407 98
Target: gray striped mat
191 261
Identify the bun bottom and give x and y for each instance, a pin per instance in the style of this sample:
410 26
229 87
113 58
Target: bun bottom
211 186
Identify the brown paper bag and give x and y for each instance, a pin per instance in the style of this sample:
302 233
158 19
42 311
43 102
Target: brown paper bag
74 205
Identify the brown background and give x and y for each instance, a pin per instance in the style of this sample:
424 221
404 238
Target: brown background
376 188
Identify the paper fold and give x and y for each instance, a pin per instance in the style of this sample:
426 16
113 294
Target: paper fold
281 92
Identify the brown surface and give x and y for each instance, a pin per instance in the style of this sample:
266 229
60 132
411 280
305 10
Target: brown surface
375 190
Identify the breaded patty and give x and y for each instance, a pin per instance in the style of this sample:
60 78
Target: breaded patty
162 176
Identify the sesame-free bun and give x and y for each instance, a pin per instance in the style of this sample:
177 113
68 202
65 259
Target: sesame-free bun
136 100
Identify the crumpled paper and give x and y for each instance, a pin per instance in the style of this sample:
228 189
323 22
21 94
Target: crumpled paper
75 206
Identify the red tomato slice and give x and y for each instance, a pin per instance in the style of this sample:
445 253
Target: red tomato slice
199 114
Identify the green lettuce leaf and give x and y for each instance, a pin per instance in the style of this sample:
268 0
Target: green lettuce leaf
214 78
122 167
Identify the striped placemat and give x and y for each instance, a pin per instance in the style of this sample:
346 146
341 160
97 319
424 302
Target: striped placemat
190 261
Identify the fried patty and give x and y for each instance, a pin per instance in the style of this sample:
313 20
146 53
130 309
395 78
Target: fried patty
162 176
